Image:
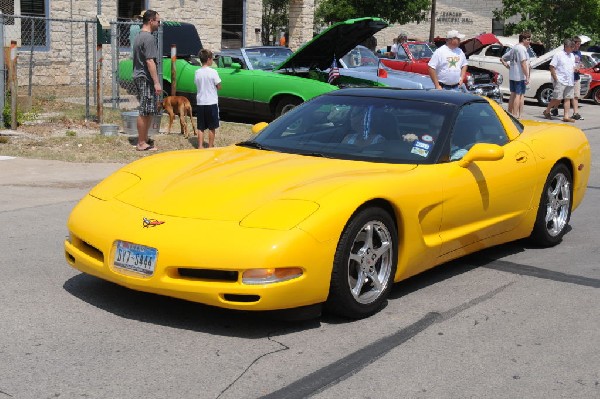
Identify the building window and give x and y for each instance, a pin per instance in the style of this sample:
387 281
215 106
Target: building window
8 8
34 31
498 27
232 33
129 11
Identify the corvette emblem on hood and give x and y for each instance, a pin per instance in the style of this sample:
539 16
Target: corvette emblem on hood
151 222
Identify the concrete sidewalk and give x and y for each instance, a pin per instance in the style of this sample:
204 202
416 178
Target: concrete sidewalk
26 183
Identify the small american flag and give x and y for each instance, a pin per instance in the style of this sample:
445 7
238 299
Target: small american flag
334 72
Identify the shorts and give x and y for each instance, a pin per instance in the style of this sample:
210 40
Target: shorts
577 88
147 96
207 116
517 86
562 91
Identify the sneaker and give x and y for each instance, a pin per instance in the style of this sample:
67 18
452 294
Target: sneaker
577 117
570 120
554 112
547 115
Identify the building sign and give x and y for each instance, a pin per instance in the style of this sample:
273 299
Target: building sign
452 17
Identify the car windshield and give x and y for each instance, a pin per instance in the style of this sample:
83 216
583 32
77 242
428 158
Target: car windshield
587 61
267 58
360 56
371 129
420 50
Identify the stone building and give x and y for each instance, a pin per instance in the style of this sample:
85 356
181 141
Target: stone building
470 17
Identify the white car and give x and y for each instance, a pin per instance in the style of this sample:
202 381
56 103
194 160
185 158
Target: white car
540 86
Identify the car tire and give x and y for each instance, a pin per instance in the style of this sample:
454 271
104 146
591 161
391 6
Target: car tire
596 95
364 265
554 211
286 104
544 94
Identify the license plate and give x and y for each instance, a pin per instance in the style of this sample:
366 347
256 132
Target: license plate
134 257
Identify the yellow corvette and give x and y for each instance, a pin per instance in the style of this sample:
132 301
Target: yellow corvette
332 203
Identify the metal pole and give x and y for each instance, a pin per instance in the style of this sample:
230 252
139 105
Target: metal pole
13 84
99 102
87 74
115 62
3 74
31 56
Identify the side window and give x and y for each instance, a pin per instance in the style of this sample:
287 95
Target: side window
494 51
475 123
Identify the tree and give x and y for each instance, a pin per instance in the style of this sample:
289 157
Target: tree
275 18
393 11
551 21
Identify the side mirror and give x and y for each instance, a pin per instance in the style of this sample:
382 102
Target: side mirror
256 128
482 152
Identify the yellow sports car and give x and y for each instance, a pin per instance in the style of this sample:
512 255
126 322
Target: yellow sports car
332 203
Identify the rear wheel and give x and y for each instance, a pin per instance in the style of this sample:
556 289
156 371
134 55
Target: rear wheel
544 95
555 208
364 265
286 104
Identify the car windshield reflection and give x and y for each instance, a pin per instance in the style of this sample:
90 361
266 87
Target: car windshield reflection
361 128
267 58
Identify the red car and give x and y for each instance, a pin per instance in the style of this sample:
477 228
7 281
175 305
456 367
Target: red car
592 69
413 56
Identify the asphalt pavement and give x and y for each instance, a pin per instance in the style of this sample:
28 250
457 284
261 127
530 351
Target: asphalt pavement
514 321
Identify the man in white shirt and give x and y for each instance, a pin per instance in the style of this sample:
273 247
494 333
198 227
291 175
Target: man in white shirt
562 68
448 64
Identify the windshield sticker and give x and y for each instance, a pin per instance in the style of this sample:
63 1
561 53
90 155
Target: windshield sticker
422 145
410 137
419 151
427 138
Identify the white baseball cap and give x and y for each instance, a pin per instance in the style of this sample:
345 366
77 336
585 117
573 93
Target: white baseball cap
454 33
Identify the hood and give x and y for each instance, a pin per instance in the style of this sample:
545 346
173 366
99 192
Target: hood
184 35
547 56
475 44
334 41
229 183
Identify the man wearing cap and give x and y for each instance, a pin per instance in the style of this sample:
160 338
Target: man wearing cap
448 64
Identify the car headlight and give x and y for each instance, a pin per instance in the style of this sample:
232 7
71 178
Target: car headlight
500 79
269 276
282 214
114 185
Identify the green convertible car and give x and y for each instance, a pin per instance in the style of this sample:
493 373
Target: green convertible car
266 94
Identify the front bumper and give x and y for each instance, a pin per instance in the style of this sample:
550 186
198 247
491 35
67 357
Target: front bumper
487 90
200 260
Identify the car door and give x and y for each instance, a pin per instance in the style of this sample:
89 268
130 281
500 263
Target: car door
485 198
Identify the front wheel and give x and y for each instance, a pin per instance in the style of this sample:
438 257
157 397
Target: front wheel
555 208
596 95
364 265
544 94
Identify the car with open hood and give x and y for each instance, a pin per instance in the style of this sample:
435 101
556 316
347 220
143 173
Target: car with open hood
266 93
332 202
540 85
413 56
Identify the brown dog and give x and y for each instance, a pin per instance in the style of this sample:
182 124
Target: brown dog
179 105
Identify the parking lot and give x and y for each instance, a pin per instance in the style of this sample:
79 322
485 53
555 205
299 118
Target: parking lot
515 321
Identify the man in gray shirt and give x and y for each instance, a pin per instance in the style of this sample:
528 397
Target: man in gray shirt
145 76
518 58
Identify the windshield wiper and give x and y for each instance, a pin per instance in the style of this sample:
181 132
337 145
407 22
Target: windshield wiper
253 144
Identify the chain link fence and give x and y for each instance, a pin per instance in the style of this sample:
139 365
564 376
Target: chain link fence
60 60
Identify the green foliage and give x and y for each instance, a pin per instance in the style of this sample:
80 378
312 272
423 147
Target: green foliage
71 133
393 11
21 116
551 21
275 18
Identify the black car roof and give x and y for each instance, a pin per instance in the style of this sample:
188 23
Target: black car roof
184 35
442 96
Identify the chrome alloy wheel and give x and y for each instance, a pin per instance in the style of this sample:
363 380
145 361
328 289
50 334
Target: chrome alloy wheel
370 262
559 204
